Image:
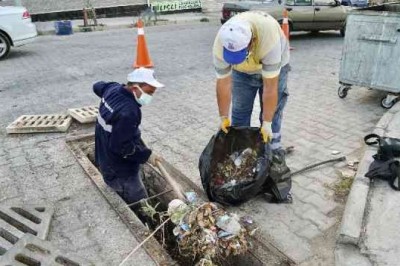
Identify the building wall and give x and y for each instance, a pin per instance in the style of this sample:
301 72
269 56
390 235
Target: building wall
214 5
49 6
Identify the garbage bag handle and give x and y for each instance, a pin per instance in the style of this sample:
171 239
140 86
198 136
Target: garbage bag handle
370 136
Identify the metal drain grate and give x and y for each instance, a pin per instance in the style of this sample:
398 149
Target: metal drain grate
84 115
31 250
15 222
40 123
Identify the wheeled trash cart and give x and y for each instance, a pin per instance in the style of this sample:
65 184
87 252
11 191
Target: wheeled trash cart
371 52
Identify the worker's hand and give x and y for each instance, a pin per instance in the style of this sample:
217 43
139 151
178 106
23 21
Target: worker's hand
266 131
225 123
153 159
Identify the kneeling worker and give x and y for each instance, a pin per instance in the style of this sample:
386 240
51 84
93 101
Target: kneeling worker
119 149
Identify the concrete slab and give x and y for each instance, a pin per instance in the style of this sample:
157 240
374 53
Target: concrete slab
27 219
85 114
31 250
39 124
16 221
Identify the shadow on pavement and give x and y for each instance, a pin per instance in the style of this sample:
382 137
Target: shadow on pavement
301 35
16 53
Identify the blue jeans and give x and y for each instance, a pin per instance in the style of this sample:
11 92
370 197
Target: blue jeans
244 91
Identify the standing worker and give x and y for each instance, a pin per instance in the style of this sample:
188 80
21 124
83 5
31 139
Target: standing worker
119 149
251 55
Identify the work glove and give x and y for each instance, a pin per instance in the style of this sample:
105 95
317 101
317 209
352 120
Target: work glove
225 123
266 131
153 159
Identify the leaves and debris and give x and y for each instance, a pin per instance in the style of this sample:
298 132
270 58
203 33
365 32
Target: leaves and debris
348 173
236 168
342 186
207 232
353 165
149 210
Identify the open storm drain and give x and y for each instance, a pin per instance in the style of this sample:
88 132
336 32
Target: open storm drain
162 247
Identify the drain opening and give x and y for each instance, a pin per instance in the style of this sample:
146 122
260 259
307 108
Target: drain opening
17 224
8 236
66 262
152 181
27 215
37 249
2 251
27 260
83 149
40 209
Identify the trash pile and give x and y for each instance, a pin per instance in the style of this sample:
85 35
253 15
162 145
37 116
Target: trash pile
239 167
207 233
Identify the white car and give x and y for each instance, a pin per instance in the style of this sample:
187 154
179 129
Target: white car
16 28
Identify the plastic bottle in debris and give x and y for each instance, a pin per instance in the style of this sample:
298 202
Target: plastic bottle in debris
238 158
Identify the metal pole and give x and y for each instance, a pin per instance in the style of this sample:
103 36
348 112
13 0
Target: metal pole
85 24
149 198
340 159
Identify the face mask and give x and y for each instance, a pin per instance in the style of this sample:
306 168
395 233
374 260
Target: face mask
144 99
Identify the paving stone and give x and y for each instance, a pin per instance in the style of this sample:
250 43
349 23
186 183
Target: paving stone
298 249
324 205
15 152
40 123
299 192
5 181
84 115
319 219
31 250
9 191
309 232
302 180
18 161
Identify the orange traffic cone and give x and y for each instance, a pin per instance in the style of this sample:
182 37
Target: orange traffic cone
285 25
142 54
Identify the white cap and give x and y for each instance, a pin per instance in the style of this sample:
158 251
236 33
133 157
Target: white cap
144 75
235 34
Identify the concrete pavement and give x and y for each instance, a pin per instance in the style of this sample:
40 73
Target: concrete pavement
56 73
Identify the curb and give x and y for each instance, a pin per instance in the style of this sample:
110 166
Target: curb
351 229
131 25
353 216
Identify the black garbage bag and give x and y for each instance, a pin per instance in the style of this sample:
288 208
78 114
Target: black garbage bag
222 145
279 181
386 170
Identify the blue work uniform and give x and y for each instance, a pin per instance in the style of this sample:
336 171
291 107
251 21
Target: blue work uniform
119 149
